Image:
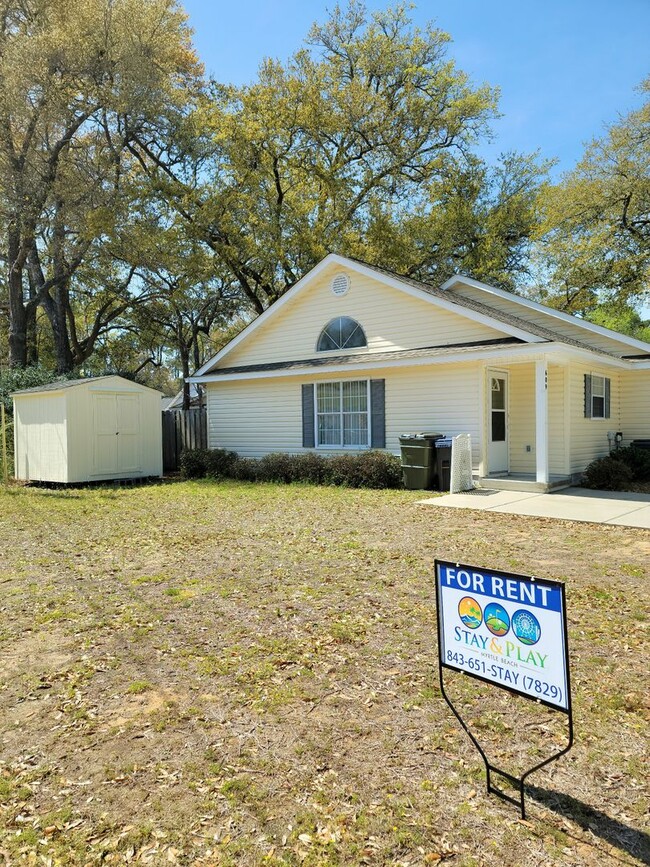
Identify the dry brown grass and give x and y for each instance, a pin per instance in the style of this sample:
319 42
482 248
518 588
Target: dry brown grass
216 674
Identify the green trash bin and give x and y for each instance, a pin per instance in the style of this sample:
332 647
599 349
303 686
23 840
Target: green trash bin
443 463
419 471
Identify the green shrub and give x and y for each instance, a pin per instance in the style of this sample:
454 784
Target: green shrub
364 470
638 460
310 467
245 470
218 463
15 379
607 474
194 463
277 467
372 469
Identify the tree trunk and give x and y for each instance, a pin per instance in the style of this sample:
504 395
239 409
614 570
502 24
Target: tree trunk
55 312
185 365
17 312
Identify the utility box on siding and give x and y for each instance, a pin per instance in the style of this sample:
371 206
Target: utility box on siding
87 430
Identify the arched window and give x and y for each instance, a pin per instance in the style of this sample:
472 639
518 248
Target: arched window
341 333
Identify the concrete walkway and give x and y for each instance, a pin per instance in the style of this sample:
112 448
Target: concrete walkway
570 504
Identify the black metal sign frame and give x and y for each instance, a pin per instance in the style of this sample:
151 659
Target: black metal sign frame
491 769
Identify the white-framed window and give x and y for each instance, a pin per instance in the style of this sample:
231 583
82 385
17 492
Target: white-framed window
342 414
597 396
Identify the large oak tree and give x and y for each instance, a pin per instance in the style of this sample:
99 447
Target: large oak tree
361 144
596 230
79 79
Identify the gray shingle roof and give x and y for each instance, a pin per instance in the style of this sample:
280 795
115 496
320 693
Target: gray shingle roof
486 310
61 383
366 358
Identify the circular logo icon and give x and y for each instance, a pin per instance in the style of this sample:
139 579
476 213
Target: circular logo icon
470 612
496 619
526 627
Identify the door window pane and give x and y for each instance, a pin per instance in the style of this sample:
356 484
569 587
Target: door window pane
498 426
498 393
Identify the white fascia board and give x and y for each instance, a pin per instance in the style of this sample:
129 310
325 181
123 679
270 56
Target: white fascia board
549 311
394 282
527 352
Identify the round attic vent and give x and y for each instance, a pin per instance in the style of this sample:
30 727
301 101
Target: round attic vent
340 284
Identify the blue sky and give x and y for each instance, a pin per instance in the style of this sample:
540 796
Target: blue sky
565 67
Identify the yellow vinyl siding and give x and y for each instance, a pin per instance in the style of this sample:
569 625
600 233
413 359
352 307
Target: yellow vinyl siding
256 417
589 435
635 405
391 320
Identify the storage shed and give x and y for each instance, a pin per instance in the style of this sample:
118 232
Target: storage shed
86 430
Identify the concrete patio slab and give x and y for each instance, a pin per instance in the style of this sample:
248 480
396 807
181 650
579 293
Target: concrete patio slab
570 504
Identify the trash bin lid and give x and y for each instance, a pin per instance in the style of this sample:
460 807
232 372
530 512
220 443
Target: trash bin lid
444 442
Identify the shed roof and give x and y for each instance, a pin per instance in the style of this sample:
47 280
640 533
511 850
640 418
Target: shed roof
61 384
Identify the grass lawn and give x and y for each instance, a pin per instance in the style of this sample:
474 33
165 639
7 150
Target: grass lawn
214 674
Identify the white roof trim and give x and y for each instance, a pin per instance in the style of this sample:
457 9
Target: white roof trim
549 311
394 282
509 355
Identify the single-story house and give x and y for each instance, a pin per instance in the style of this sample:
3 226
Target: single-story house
353 356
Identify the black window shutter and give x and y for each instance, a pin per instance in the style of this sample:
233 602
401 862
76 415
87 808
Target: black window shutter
378 413
587 395
308 433
607 398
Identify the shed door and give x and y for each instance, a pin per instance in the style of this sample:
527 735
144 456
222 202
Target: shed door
117 434
105 445
128 433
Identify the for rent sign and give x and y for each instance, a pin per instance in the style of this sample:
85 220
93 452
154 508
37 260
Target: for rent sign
509 630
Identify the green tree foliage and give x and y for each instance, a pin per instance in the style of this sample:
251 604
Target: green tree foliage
596 230
188 298
78 80
360 144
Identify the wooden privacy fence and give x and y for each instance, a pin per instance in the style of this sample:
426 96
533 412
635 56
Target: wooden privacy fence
182 429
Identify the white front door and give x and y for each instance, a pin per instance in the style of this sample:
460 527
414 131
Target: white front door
497 383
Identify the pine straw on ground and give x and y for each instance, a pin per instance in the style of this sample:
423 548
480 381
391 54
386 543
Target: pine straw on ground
214 674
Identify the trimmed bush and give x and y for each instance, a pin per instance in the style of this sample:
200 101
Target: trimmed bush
638 460
607 474
218 463
363 469
245 470
277 467
193 464
310 468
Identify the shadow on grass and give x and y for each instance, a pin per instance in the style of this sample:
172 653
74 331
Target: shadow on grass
616 833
